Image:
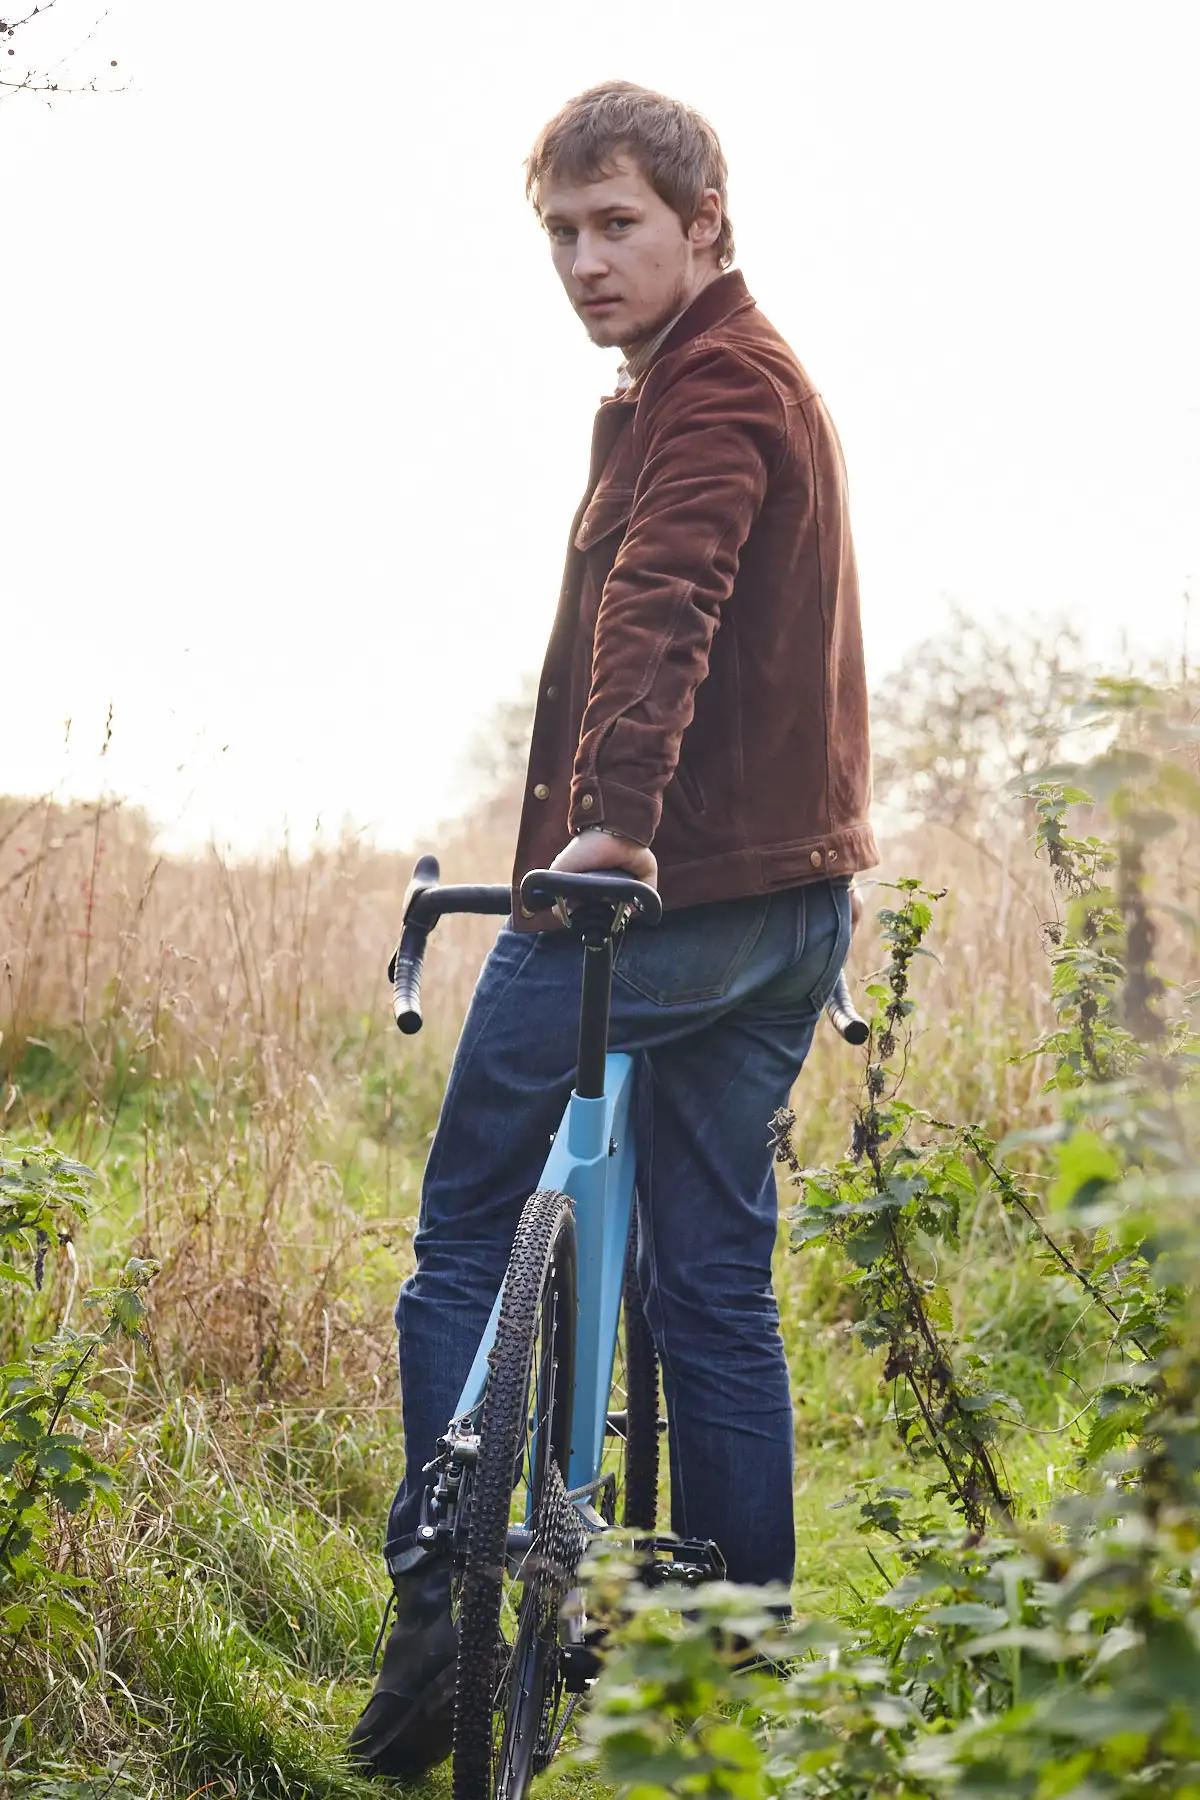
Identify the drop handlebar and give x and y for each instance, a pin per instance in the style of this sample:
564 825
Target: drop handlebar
426 901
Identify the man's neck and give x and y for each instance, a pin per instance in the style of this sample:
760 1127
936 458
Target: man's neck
639 356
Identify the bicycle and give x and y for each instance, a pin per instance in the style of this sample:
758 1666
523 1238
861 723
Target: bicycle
536 1459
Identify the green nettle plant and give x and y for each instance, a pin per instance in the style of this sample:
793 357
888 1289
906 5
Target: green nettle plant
49 1402
1016 1656
888 1205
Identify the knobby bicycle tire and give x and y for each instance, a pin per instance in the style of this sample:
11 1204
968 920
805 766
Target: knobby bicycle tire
506 1693
640 1499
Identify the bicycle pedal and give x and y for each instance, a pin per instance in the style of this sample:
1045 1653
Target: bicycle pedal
682 1562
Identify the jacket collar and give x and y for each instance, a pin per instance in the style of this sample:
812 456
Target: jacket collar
718 301
722 298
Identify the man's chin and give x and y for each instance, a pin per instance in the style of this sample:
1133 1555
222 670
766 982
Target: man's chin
604 333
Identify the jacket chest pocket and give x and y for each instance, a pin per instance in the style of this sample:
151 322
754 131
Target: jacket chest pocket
607 513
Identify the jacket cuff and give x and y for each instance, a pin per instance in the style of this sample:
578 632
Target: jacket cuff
633 814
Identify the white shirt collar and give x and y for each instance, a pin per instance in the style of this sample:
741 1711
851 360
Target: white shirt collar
635 366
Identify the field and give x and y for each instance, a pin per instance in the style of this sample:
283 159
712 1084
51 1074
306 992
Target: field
215 1042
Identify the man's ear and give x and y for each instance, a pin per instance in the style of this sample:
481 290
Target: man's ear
705 228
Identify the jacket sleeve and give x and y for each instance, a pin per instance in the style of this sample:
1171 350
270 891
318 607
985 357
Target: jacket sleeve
714 431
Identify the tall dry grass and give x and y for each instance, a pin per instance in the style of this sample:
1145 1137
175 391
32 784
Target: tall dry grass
216 1038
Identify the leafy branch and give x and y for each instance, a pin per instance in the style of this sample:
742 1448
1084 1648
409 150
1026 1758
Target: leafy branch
880 1204
47 1398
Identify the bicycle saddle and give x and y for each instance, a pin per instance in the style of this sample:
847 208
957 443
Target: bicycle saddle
542 887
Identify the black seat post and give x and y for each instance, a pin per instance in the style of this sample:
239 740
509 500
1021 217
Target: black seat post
594 1005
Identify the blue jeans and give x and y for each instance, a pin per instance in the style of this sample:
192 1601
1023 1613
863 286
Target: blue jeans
721 1001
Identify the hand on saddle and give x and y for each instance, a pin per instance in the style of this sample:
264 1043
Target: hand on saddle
595 850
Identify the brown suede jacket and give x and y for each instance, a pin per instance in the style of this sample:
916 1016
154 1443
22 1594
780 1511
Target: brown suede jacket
703 688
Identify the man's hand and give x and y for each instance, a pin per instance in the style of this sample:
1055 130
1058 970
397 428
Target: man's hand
593 852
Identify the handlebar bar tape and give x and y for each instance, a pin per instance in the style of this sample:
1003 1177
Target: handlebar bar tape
843 1015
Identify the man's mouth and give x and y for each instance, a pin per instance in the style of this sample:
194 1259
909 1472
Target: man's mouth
600 304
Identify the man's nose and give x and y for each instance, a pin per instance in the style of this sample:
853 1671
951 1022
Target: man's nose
590 262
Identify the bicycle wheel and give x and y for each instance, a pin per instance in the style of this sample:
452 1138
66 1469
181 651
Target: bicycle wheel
525 1539
635 1388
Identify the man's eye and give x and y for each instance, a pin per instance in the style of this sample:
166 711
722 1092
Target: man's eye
620 224
561 234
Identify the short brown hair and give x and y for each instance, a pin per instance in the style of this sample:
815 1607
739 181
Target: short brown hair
673 145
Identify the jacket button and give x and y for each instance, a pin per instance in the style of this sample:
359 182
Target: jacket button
833 856
587 802
552 693
815 859
541 791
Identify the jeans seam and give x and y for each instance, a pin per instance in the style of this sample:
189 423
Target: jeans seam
839 953
461 1066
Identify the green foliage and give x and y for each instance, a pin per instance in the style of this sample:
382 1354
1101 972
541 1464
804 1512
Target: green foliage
42 1196
888 1206
48 1398
1023 1656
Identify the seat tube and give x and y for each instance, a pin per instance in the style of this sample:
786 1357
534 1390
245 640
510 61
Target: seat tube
595 1003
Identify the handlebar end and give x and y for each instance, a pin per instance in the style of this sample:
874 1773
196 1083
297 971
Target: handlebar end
844 1015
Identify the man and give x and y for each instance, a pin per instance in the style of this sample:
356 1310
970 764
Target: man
701 722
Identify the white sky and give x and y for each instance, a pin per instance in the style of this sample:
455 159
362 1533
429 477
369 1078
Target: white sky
294 415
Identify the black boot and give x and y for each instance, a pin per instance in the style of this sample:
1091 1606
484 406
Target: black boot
408 1724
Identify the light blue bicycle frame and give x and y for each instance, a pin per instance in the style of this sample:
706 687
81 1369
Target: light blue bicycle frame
592 1160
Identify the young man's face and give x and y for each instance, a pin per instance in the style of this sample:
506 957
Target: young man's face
624 257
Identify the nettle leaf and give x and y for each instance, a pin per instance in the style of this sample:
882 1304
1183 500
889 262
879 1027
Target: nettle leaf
1117 769
66 1615
129 1311
79 1171
1095 1718
977 1403
18 1539
1047 1645
1115 1643
88 1409
59 1461
1109 1430
24 1425
914 1586
71 1495
867 1244
1172 1659
821 1186
968 1612
1085 1162
809 1230
880 1515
